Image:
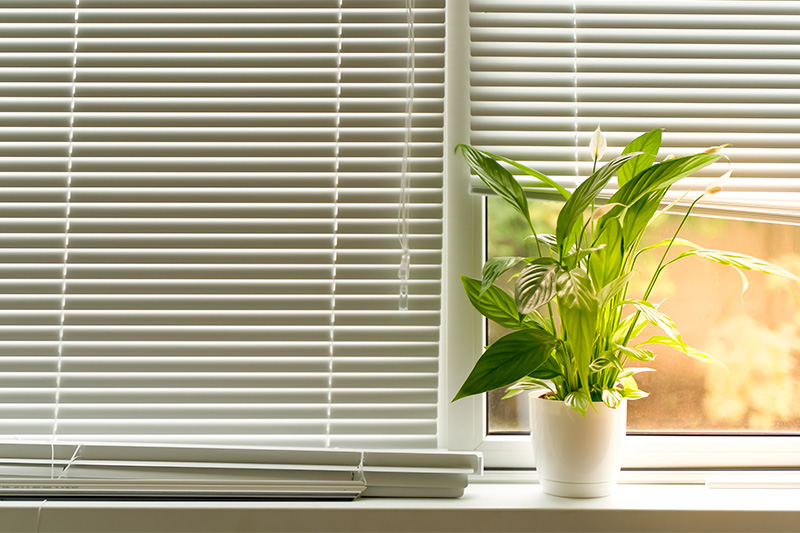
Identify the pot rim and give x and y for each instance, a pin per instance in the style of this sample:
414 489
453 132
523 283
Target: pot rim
540 395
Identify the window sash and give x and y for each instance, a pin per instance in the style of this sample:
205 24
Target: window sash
463 328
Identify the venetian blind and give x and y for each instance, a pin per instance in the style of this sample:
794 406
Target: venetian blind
222 245
546 74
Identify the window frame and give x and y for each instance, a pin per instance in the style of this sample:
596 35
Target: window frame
462 425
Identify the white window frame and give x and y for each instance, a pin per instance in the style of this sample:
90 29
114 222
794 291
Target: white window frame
463 424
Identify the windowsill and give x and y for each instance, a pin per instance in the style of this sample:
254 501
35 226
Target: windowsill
484 507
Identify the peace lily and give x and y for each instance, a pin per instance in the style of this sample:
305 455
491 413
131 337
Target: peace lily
597 145
575 324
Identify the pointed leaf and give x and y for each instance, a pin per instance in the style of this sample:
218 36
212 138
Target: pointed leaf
535 320
578 400
575 290
613 289
583 197
495 303
624 326
612 398
606 264
666 242
574 258
604 361
536 284
659 319
509 359
632 371
494 268
745 262
648 144
640 354
527 384
549 240
660 177
549 370
577 308
496 178
531 172
688 350
633 393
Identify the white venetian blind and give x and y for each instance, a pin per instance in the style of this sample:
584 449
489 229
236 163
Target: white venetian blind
545 74
233 252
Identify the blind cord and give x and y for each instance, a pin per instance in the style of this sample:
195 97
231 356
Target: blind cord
334 254
62 317
405 185
575 84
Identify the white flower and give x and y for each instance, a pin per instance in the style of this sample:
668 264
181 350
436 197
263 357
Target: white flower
598 144
716 186
716 149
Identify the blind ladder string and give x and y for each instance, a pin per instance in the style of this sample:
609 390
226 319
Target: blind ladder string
334 255
62 316
405 185
575 84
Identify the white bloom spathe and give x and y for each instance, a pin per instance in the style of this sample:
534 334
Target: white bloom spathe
598 144
716 186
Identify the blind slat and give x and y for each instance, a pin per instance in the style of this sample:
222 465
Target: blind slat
545 75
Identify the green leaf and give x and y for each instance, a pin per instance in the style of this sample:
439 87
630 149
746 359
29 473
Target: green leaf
531 172
536 284
665 242
660 177
648 144
582 198
614 288
624 326
577 307
574 258
606 264
549 370
660 320
604 361
633 393
742 261
632 371
639 215
509 359
495 304
496 178
575 290
612 398
535 320
527 384
578 400
640 354
549 240
494 268
627 382
688 350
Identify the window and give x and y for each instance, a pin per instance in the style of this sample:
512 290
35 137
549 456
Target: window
200 221
545 74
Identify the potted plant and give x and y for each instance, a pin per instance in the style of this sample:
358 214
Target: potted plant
574 323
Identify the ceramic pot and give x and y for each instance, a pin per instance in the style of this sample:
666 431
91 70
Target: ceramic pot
577 456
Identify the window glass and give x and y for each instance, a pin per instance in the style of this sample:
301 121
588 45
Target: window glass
756 336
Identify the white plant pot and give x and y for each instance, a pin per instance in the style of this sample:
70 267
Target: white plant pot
577 456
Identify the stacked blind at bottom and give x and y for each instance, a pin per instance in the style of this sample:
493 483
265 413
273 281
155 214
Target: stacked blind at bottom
66 470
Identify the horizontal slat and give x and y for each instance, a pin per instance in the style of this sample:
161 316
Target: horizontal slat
232 231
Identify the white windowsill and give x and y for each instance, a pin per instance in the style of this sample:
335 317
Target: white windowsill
490 507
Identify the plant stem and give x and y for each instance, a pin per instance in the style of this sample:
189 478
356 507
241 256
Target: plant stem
658 271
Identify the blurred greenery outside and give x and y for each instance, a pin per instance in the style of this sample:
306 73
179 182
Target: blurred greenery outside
757 335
